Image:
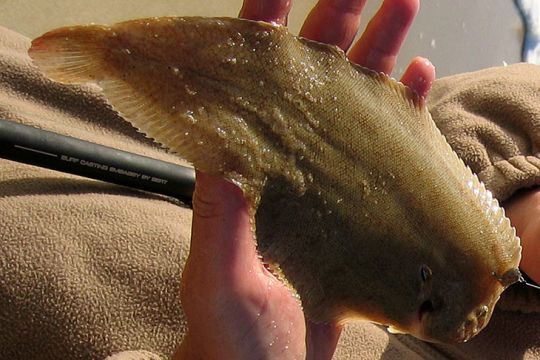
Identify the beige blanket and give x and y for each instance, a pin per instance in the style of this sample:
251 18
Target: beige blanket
89 270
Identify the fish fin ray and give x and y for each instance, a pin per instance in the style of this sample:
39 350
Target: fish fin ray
193 134
71 55
401 90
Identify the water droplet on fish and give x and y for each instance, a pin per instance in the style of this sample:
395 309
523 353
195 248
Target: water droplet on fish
261 83
190 91
126 51
156 36
262 34
339 201
221 133
230 60
191 118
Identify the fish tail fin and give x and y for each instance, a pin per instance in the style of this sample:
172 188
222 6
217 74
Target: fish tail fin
71 55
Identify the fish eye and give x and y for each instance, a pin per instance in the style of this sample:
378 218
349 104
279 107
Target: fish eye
425 273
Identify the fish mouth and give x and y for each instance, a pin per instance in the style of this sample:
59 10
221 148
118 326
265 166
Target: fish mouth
466 330
474 323
479 317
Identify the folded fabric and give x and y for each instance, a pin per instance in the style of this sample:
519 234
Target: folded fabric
90 270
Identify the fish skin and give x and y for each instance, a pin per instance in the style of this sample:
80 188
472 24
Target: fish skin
356 196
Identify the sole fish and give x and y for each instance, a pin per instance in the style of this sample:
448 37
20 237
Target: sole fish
356 197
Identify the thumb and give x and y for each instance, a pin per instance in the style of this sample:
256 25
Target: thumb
222 240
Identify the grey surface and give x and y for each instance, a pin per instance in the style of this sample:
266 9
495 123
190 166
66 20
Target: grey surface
462 35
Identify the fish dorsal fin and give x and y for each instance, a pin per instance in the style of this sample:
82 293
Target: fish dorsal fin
403 95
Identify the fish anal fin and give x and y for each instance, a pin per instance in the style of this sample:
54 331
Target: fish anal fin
203 133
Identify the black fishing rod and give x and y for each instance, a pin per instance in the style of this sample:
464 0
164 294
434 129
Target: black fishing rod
50 150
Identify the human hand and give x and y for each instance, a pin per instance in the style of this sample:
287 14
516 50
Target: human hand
523 209
235 308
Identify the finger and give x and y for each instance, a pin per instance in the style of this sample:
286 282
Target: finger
419 76
333 22
221 241
321 340
275 11
523 210
379 45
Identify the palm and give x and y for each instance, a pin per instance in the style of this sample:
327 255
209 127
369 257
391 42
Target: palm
250 312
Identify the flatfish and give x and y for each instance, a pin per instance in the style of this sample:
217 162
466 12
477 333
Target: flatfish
357 199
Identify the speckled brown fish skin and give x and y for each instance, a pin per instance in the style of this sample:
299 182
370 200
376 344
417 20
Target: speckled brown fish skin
356 196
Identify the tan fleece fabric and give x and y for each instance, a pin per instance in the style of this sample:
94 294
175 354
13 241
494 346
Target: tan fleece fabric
90 270
87 269
492 120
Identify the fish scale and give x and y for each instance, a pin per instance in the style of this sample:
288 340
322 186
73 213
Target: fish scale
358 201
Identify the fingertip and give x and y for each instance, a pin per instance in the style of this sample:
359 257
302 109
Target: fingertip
419 76
408 9
274 11
214 195
221 236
